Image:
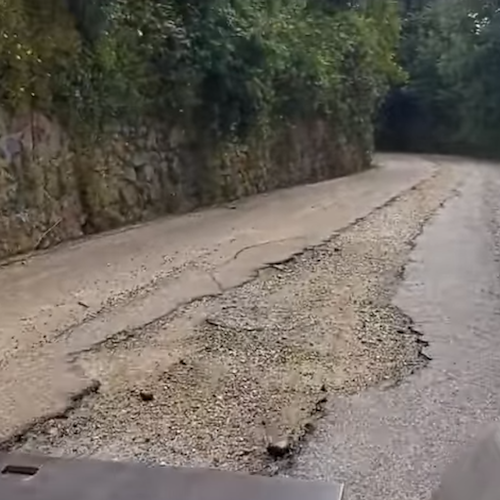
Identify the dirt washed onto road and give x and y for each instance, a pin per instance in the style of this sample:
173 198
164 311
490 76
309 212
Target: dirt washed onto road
213 382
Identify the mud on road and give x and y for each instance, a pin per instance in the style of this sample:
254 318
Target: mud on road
214 381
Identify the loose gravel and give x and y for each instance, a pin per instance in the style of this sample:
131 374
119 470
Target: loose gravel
219 380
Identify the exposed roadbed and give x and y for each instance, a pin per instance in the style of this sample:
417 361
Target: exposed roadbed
73 298
204 338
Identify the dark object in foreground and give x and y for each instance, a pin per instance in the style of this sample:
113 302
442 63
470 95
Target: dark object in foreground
146 396
26 477
279 449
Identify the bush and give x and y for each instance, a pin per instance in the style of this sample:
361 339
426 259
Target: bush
451 102
232 64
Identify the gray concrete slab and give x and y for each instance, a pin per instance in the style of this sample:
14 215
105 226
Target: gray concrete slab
26 477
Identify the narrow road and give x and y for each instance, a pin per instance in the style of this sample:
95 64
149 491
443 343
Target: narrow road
70 299
394 443
197 340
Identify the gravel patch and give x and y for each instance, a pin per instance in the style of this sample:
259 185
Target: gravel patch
231 380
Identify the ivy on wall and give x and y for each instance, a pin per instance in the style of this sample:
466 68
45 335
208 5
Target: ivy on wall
233 65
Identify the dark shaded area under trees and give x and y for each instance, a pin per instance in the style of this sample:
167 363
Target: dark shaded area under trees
450 102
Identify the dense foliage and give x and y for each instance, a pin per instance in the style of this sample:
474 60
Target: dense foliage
451 102
238 65
230 64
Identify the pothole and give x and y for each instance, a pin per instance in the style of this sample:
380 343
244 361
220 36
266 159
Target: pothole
228 375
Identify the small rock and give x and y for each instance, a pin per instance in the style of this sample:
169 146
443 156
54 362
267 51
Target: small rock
320 404
309 427
279 449
146 396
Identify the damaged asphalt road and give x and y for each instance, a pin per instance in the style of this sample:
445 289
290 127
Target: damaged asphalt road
232 331
396 442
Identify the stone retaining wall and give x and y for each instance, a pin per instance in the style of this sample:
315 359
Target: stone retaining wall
51 191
